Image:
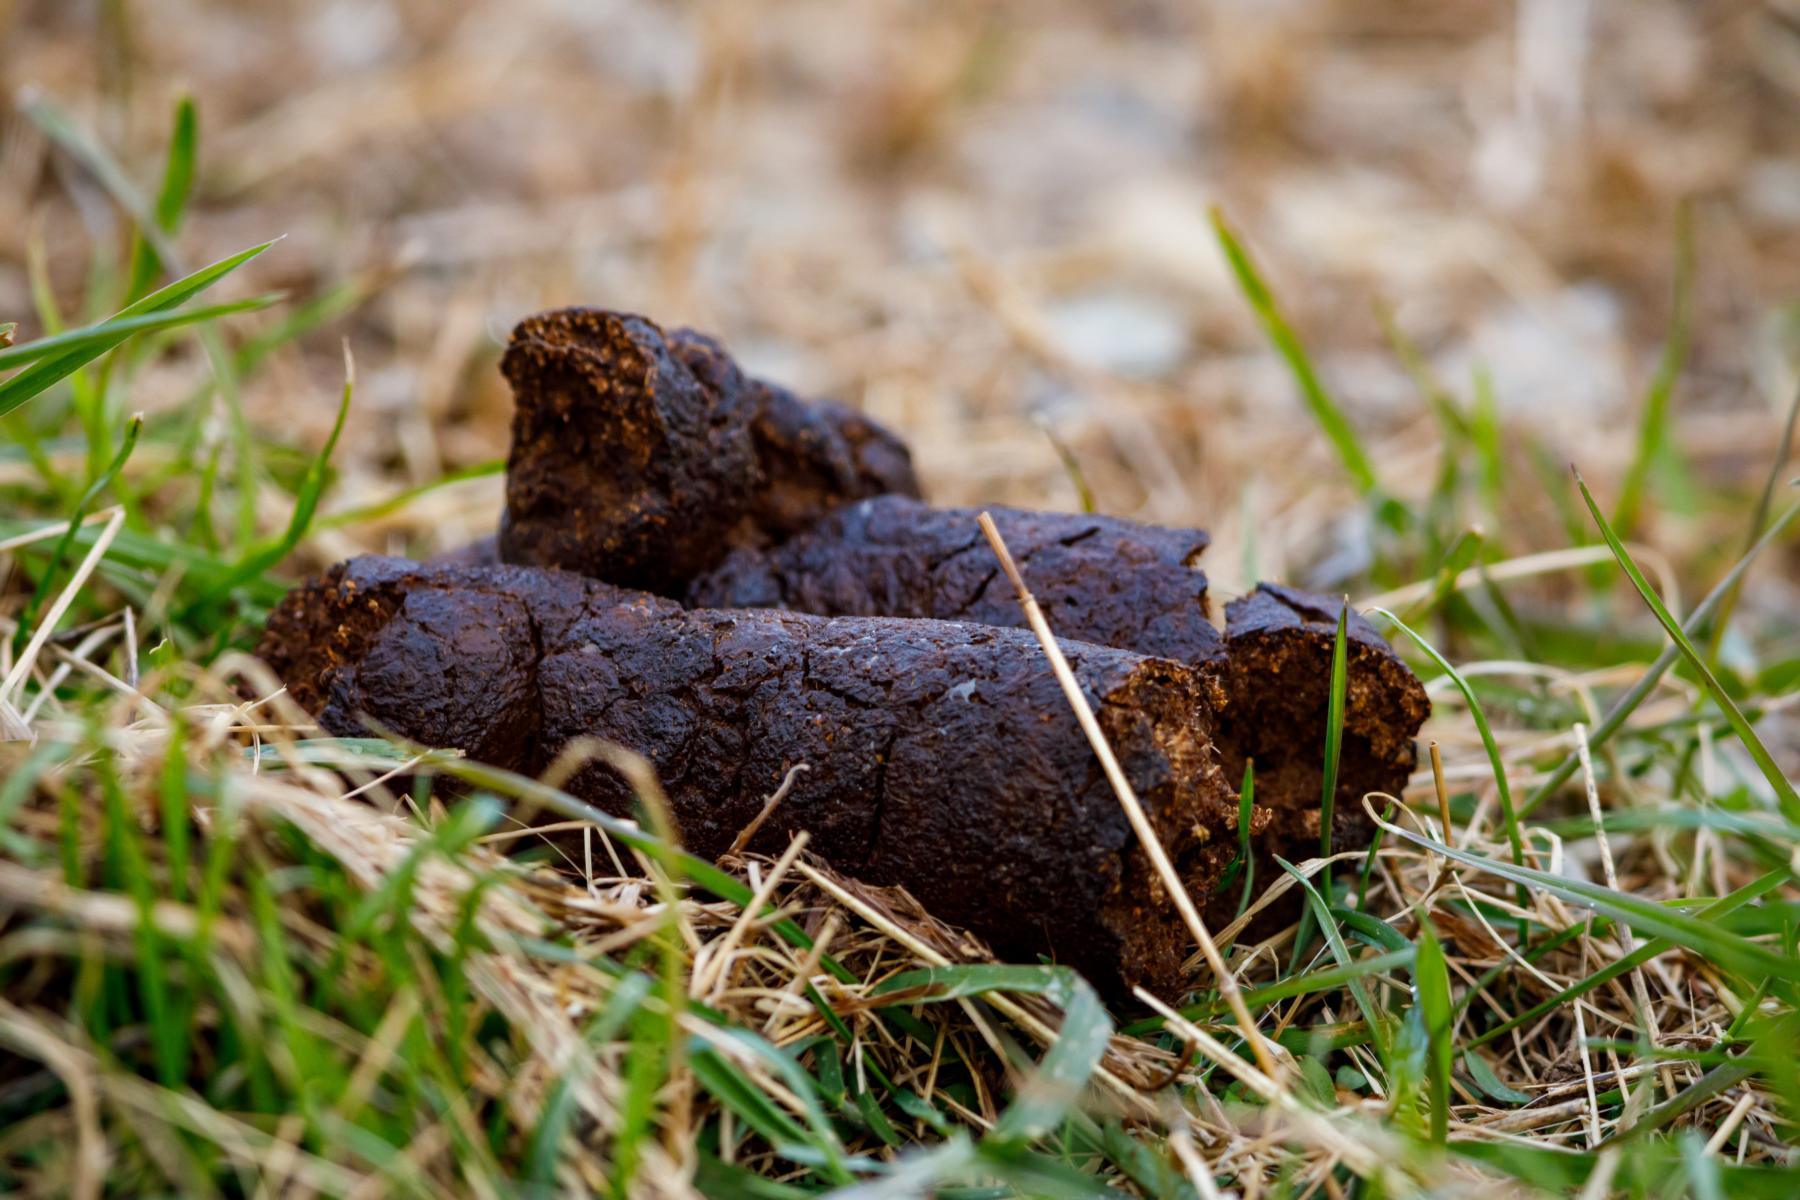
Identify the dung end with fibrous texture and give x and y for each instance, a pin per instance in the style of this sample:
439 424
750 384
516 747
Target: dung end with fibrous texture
625 465
640 457
1279 647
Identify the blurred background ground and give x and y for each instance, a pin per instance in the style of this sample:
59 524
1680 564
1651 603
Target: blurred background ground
973 217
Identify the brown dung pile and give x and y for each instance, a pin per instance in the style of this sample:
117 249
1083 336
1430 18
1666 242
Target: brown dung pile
733 581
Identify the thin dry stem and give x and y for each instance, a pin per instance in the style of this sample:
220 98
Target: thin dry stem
1134 811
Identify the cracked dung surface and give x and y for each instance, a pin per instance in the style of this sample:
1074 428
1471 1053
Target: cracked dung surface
1119 583
1099 579
943 755
639 457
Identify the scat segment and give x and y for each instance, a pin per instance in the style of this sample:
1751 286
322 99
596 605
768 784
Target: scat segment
943 755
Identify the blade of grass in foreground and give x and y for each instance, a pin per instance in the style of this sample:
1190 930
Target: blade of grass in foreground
1784 788
108 334
1431 981
48 371
927 985
559 1111
1053 1089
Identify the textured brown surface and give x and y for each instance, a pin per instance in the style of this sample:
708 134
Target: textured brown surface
817 455
639 457
1100 579
624 464
1279 645
943 756
1120 583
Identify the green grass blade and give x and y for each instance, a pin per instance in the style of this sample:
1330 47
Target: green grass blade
171 198
1764 502
1701 1168
731 1088
108 334
1459 557
135 553
1334 745
299 320
178 168
393 504
1052 1090
1485 433
1084 495
1625 705
1334 733
1325 979
1244 863
1325 410
1643 954
928 985
1370 929
1431 980
47 371
1513 837
1490 1084
1425 380
818 1132
57 125
1341 952
43 292
306 503
1784 788
1368 867
1694 933
1653 432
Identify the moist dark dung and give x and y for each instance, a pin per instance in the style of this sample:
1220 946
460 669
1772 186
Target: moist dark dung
1100 579
625 465
942 754
640 457
1119 583
1279 643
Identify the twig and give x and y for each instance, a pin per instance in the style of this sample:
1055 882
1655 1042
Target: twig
1134 811
768 810
1627 943
715 970
102 543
